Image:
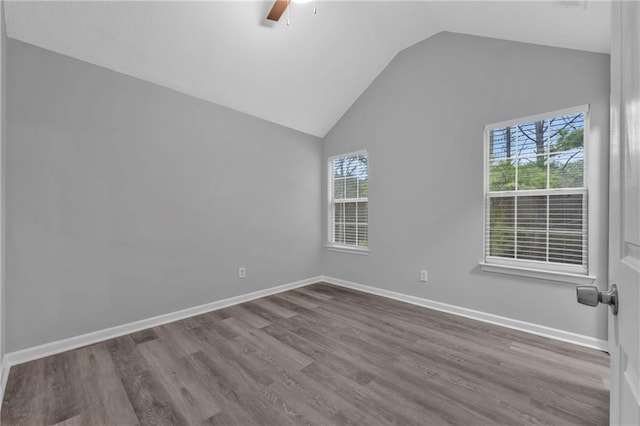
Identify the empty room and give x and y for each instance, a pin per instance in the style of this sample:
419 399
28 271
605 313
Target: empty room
320 212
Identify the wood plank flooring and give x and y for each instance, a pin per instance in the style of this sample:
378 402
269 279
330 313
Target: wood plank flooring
316 355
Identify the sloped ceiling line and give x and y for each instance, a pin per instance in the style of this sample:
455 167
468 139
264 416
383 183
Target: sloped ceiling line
304 76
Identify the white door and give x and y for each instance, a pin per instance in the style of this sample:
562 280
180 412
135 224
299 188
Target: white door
624 212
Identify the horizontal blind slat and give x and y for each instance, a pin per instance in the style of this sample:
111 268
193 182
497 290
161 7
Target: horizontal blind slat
536 199
349 197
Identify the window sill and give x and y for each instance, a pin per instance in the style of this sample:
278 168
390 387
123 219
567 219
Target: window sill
363 251
563 277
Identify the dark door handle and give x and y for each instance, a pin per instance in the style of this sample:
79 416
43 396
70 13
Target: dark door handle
590 295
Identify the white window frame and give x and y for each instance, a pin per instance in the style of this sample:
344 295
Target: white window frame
332 246
573 274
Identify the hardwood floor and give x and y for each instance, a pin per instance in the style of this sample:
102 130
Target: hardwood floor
316 355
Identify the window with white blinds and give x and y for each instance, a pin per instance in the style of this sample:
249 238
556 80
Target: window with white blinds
536 193
348 189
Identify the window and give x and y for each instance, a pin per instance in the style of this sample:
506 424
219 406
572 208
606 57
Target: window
348 191
536 194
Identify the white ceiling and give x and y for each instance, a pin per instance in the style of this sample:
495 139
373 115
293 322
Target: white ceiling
305 75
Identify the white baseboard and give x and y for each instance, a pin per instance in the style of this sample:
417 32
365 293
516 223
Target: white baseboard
36 352
540 330
51 348
4 375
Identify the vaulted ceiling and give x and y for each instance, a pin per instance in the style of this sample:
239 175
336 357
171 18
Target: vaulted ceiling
304 75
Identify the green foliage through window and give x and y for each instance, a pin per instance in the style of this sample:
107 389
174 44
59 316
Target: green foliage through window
538 155
542 224
349 221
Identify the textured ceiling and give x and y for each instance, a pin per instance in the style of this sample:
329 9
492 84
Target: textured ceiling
303 76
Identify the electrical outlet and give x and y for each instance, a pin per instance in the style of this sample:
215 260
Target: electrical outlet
242 272
424 276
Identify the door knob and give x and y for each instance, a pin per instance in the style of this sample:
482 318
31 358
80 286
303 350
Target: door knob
590 295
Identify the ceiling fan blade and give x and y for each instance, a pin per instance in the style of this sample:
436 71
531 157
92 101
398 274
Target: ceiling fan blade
278 9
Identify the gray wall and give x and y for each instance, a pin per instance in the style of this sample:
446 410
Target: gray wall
127 200
3 145
422 121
